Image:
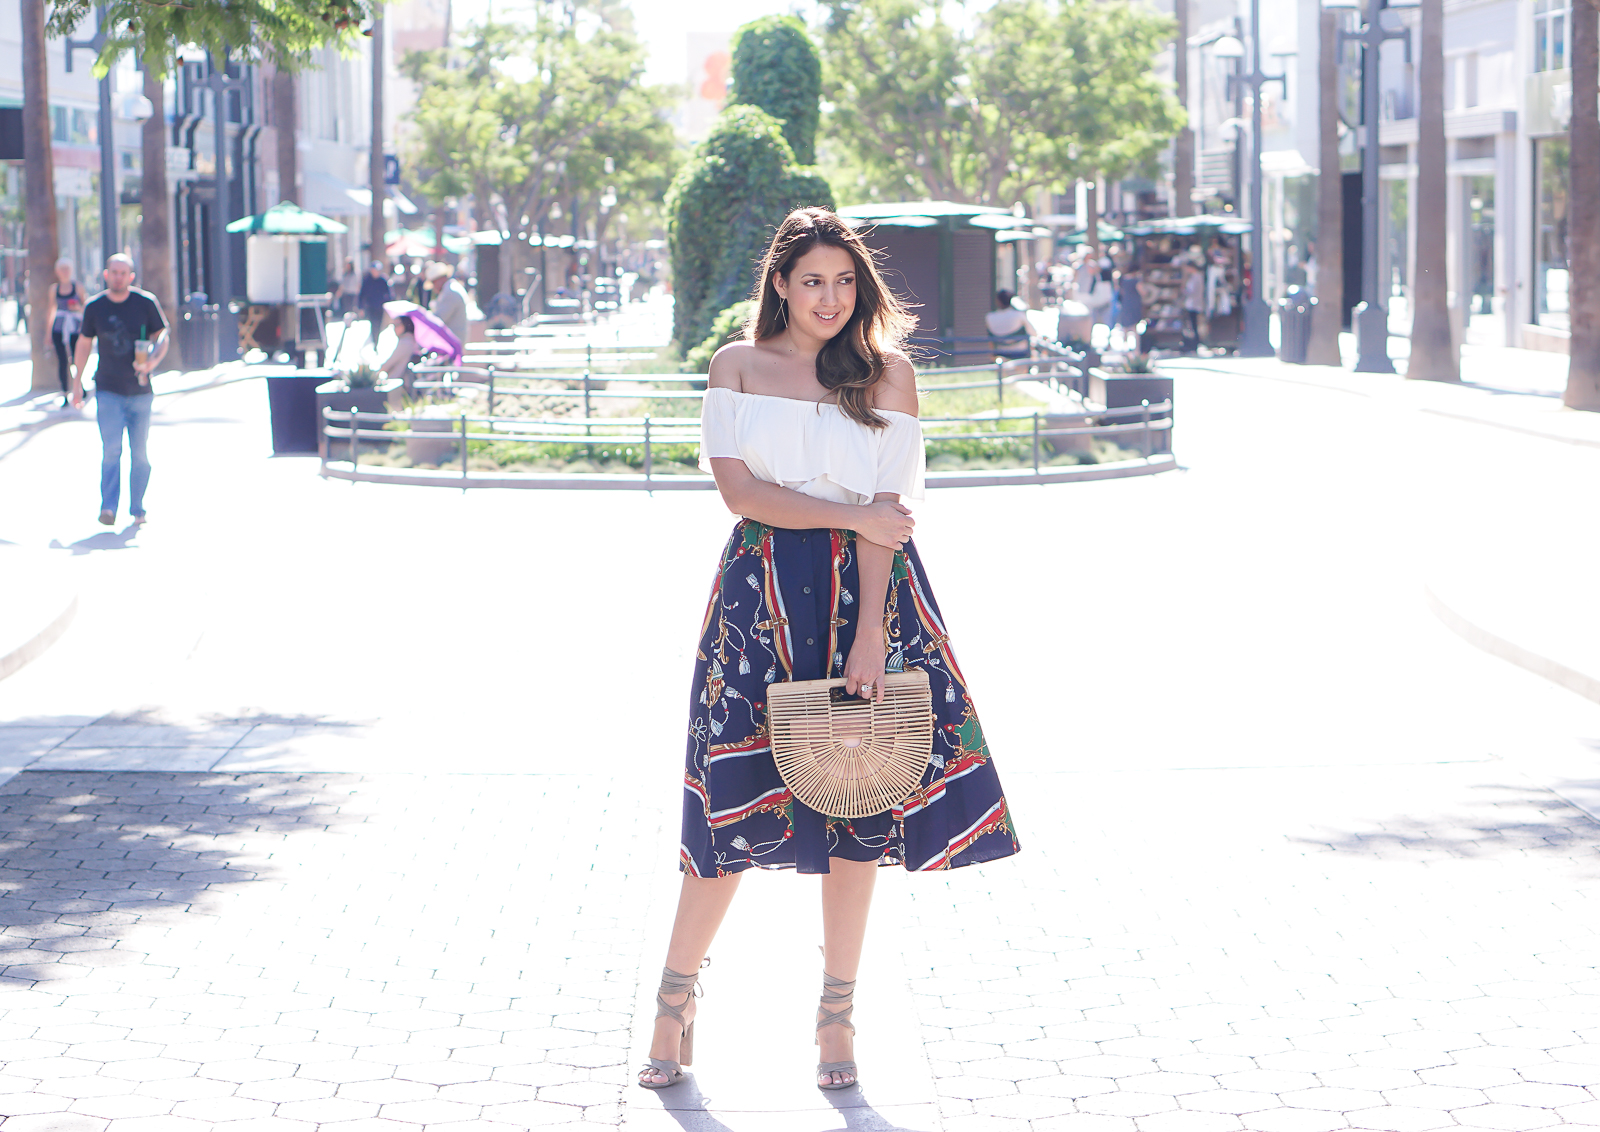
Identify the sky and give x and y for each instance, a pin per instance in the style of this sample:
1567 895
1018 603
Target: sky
663 24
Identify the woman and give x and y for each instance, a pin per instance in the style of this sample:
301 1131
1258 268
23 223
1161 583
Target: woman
810 428
405 349
1130 307
64 328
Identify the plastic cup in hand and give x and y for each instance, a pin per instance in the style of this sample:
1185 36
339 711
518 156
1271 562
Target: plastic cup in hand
141 355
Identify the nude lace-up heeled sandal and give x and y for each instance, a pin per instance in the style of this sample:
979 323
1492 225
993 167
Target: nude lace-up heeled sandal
836 992
673 983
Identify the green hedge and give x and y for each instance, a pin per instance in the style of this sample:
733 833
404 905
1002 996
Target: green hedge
776 67
724 329
723 207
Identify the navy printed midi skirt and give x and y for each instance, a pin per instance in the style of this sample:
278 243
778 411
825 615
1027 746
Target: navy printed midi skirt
783 607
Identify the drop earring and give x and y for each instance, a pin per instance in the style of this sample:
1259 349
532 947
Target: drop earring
783 311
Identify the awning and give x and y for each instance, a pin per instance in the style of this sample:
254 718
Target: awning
1284 163
332 196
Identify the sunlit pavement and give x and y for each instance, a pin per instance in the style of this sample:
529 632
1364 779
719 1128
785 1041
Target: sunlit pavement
351 806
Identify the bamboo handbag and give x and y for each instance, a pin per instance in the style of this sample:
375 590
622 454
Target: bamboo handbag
847 757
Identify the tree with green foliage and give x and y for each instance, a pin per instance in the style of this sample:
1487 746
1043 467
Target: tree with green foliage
776 67
1040 93
523 116
725 204
286 31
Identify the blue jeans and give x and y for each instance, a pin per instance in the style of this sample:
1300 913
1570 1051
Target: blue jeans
115 412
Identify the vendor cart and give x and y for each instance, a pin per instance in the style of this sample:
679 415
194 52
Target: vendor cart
1160 248
286 259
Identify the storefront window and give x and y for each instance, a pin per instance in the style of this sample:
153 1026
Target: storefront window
1550 233
1550 34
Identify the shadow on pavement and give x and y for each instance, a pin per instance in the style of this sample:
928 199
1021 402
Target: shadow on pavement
94 857
105 540
1501 820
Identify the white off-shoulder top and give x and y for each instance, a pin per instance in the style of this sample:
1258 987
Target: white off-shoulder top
813 447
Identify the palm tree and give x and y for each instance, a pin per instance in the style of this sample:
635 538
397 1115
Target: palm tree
155 206
40 194
1183 148
286 119
1434 355
375 155
1327 317
1583 224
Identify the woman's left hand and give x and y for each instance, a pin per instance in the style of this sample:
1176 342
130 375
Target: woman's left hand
863 670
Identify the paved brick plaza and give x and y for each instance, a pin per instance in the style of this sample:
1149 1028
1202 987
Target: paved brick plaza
1405 949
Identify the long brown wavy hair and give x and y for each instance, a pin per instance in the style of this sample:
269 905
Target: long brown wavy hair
853 360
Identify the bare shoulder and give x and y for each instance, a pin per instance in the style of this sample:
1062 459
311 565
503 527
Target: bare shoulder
897 389
728 366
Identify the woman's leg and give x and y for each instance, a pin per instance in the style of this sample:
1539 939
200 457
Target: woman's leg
702 903
63 362
846 901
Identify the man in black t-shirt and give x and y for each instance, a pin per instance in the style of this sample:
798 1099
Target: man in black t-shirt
131 331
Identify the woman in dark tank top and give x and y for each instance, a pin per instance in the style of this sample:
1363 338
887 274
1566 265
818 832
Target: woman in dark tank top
65 323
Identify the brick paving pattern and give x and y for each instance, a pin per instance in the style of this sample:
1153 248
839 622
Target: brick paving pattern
1272 950
188 951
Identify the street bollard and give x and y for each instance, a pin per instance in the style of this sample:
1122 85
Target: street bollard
586 393
1036 444
491 389
1146 404
1000 386
647 449
355 443
463 446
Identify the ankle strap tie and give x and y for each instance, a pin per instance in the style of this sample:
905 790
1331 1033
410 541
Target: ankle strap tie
674 983
837 992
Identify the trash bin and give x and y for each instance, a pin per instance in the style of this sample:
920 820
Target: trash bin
1294 326
197 332
292 400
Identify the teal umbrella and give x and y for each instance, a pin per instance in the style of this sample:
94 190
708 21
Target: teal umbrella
288 219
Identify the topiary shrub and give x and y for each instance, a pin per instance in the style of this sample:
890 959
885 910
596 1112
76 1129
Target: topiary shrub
723 207
726 327
776 67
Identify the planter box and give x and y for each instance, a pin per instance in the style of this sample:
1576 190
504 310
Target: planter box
334 395
1127 391
292 401
420 450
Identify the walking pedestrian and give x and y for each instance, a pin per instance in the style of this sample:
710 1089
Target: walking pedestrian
132 335
349 287
449 299
1130 307
810 427
1194 303
373 294
64 327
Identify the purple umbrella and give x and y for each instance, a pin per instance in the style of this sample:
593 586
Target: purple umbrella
433 336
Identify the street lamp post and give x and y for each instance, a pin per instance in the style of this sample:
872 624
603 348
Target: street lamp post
227 328
1371 315
109 242
1255 339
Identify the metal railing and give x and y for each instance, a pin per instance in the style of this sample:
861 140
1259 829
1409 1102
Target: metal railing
1065 373
651 432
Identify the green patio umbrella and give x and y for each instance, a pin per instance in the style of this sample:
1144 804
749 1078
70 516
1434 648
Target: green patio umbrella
288 219
1108 232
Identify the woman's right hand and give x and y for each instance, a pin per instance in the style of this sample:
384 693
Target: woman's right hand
886 523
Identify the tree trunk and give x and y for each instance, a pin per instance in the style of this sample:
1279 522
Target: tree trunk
1091 225
1583 231
1183 148
1327 316
1433 345
286 119
40 194
155 206
375 157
